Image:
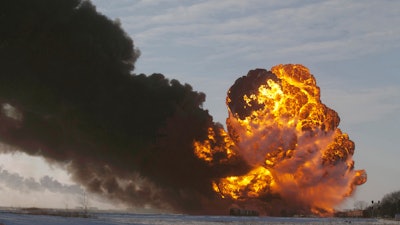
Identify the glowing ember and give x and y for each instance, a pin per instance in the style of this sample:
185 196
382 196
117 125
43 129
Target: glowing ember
291 141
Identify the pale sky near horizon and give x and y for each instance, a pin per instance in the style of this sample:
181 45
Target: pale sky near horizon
351 47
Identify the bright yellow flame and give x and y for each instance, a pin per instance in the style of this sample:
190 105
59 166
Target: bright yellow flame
252 185
205 150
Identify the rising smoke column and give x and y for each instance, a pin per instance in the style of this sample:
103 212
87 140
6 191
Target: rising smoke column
301 161
67 93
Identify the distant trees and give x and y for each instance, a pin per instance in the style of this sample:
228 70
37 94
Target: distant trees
390 204
360 205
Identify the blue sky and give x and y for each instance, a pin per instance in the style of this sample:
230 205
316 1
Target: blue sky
351 47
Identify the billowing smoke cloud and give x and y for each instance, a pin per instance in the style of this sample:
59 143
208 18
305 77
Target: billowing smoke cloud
67 93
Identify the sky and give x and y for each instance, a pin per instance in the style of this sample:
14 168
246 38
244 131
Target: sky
351 47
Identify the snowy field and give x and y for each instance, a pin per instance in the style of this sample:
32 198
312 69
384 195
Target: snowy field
164 219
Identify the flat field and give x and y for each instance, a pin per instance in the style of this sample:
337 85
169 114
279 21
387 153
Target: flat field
7 218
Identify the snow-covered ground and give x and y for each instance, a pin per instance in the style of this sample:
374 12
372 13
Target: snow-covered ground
164 219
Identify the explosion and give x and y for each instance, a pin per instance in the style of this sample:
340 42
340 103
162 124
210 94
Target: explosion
290 139
68 94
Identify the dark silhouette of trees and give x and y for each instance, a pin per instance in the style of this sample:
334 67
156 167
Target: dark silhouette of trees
390 204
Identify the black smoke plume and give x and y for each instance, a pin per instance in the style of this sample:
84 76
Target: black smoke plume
68 93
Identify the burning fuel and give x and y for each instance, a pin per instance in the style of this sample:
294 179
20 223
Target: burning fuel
67 93
290 139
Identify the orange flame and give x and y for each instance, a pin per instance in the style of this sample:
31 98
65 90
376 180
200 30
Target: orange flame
291 140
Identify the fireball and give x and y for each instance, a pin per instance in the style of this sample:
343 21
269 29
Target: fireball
289 138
